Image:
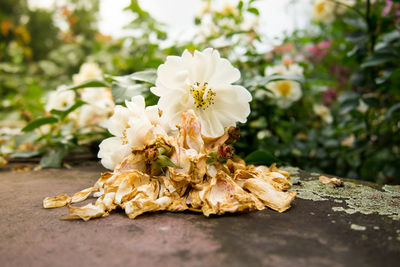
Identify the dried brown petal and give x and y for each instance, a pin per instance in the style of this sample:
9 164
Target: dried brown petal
224 195
141 183
86 212
57 201
274 199
82 195
326 180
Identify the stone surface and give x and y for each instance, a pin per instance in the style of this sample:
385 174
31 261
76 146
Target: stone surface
311 233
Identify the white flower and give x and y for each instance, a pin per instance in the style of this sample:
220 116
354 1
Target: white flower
250 22
285 92
87 71
362 107
134 125
112 151
291 69
348 141
202 82
323 112
323 11
60 99
99 108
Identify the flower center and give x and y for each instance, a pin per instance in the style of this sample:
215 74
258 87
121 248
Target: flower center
320 7
202 95
284 88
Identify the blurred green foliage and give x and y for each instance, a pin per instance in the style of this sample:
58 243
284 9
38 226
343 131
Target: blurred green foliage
351 67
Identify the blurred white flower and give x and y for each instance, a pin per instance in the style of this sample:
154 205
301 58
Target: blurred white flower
60 99
87 71
250 22
134 125
323 112
362 107
99 108
348 141
289 69
285 92
323 11
202 82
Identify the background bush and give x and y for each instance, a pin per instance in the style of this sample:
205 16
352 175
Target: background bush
351 67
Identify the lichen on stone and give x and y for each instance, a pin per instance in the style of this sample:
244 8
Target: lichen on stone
358 197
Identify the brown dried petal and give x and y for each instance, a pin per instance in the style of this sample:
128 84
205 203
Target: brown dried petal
86 212
57 201
224 195
82 195
276 200
326 180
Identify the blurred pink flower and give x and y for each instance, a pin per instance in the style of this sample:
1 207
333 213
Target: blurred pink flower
394 7
387 8
318 51
329 95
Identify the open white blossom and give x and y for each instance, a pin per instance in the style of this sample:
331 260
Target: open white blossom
99 107
132 126
100 104
202 82
87 71
323 112
60 99
323 11
285 92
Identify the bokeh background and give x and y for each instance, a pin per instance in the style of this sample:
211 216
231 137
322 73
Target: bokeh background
324 75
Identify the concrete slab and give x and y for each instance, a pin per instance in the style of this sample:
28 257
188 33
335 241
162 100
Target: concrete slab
309 234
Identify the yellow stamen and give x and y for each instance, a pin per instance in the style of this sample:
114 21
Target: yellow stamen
320 7
284 87
202 95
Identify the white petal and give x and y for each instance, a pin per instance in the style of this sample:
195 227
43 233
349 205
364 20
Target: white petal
118 122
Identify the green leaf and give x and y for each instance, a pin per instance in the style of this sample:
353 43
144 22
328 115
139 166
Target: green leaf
165 161
391 110
376 60
27 153
39 122
64 113
120 93
148 76
253 10
261 157
53 159
89 83
348 105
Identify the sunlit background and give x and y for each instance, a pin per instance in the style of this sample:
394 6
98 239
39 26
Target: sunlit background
276 17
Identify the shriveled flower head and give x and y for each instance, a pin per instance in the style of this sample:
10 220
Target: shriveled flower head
87 71
132 126
202 82
323 11
285 92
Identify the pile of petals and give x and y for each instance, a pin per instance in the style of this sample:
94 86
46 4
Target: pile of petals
186 172
189 165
